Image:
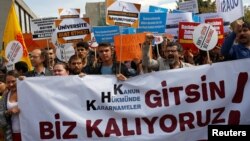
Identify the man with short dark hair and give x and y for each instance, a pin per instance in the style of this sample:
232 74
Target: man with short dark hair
21 67
75 65
237 44
171 51
50 57
82 50
108 64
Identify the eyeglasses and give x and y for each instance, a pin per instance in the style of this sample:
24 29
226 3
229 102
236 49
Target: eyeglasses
32 56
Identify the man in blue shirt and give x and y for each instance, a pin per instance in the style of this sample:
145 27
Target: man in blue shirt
237 44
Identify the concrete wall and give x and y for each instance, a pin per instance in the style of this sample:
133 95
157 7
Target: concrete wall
96 13
4 9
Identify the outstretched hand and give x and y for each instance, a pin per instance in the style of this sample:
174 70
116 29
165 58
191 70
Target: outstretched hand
237 26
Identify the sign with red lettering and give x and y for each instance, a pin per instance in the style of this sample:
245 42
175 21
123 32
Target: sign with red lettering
205 37
14 51
218 24
162 106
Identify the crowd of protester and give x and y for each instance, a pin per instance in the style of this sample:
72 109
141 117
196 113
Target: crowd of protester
86 61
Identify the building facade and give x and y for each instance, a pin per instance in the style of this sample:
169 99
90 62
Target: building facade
96 12
24 15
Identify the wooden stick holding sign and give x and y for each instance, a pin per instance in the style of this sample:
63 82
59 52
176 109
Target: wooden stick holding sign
120 63
205 37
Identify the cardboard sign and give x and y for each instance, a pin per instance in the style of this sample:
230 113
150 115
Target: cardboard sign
127 47
205 37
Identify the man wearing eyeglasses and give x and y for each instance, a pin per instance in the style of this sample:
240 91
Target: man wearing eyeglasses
237 44
172 53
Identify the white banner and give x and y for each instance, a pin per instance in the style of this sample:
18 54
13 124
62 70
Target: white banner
175 105
231 8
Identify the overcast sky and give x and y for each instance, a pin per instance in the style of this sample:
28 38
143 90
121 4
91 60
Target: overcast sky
49 8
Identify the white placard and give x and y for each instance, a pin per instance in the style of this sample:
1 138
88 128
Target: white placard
14 51
205 37
42 28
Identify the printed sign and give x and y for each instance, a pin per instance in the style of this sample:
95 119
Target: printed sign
160 106
63 51
105 33
42 28
152 22
127 30
157 9
233 8
14 51
122 13
225 17
186 30
217 23
195 17
73 30
173 20
189 6
205 37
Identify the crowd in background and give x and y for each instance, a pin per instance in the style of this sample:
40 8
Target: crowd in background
169 55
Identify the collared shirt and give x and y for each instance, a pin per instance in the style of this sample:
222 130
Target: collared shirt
39 74
33 73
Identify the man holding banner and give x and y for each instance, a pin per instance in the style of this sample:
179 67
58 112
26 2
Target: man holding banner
240 34
108 65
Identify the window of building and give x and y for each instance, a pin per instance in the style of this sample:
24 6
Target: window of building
22 21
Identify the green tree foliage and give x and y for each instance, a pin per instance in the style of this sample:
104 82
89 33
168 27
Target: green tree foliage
205 6
247 13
